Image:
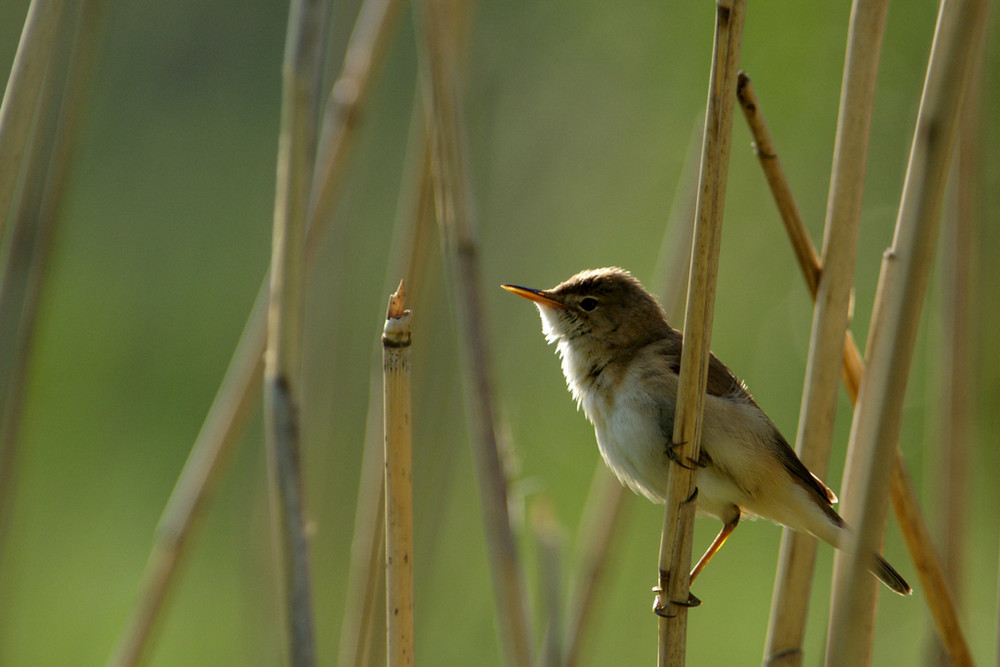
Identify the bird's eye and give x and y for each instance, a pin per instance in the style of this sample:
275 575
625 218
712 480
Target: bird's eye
588 303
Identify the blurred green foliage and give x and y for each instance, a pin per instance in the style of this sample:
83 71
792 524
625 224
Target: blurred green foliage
579 115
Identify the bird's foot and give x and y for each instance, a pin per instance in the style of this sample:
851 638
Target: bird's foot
687 463
661 608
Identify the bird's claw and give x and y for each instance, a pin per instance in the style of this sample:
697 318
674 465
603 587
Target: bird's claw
689 464
661 609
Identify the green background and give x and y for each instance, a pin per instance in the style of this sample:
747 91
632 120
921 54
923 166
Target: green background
579 116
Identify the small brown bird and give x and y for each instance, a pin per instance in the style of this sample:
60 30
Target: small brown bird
621 361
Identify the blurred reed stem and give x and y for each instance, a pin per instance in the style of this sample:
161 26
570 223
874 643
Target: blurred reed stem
681 494
548 539
42 171
24 87
283 355
904 497
832 297
398 482
370 38
608 500
213 448
359 639
234 402
895 318
959 292
440 39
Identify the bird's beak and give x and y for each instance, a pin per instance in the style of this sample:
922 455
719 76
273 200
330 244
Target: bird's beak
536 295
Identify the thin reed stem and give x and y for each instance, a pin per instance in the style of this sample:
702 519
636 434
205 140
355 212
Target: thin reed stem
904 498
439 44
398 482
608 500
212 450
409 256
24 87
681 495
366 49
283 357
45 169
895 318
832 296
548 539
195 488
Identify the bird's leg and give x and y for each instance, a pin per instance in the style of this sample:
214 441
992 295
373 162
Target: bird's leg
715 546
689 464
659 608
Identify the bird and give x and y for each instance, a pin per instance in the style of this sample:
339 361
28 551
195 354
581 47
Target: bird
621 361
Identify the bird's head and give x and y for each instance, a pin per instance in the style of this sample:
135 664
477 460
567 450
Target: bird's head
597 309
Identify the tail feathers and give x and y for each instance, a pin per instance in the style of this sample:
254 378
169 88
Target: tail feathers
888 576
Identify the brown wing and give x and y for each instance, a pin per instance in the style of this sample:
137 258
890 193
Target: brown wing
798 470
723 383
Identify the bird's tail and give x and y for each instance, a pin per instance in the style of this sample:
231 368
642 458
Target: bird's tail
888 575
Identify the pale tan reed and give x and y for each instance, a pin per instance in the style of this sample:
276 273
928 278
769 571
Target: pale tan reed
678 523
440 41
396 404
904 497
895 319
283 355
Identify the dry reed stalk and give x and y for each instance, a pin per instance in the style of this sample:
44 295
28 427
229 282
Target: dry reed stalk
895 318
767 153
362 628
814 438
608 500
234 402
212 450
960 291
283 356
678 523
438 46
46 162
904 498
548 538
411 244
20 98
925 558
398 482
366 49
605 508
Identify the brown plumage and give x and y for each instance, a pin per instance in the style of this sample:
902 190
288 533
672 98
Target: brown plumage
621 360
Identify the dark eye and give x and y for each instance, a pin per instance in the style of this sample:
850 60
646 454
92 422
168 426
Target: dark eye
588 303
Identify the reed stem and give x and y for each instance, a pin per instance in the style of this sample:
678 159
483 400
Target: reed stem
24 87
439 41
895 318
904 499
832 296
43 169
398 482
678 523
283 357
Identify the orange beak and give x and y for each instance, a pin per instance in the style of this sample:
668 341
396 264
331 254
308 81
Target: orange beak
536 295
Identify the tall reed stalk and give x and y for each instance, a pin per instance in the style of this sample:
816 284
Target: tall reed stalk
214 446
899 298
830 317
40 160
608 500
283 356
439 45
24 87
398 482
681 494
360 643
904 499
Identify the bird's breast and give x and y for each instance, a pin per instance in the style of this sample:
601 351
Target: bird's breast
630 440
